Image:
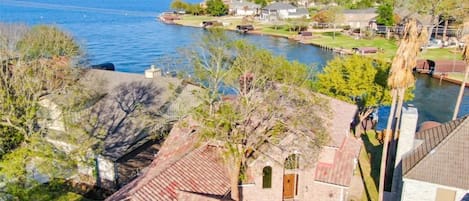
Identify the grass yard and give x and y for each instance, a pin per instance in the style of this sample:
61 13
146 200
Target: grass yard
347 42
330 39
389 46
369 165
441 53
278 32
456 76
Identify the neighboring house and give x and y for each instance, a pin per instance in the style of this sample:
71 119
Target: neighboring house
404 13
359 18
437 166
186 169
243 8
280 10
129 119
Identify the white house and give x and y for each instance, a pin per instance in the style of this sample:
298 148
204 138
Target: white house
243 8
280 10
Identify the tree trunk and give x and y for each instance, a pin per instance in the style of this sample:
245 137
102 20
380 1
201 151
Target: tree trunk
385 144
461 93
430 31
236 168
401 94
436 31
361 116
445 29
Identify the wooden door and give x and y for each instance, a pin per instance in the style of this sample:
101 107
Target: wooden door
288 186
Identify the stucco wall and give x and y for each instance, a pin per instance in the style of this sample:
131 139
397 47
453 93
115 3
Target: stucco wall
325 192
414 190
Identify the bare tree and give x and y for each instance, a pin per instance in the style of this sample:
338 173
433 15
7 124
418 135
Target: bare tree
270 100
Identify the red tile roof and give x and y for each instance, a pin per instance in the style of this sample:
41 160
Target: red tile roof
339 125
179 166
341 171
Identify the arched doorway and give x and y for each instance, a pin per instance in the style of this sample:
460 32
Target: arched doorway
290 176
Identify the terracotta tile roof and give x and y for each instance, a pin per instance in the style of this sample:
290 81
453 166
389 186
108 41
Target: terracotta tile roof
342 116
340 172
443 157
179 166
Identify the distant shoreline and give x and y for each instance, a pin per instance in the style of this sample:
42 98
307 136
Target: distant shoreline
340 51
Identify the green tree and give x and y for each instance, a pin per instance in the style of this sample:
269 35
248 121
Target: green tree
385 15
216 8
179 5
44 41
358 80
272 101
332 15
32 66
262 2
196 9
436 8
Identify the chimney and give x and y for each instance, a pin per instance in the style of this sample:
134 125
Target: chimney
407 131
405 144
153 72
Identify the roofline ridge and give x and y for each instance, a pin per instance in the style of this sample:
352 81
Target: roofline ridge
464 120
193 150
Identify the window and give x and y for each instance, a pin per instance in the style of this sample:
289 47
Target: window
267 177
292 162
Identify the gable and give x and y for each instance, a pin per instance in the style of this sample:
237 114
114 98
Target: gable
443 157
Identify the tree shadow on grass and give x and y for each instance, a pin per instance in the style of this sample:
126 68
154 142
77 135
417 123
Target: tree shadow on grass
373 150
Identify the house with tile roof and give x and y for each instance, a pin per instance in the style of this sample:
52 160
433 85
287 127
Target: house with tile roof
437 168
279 10
188 169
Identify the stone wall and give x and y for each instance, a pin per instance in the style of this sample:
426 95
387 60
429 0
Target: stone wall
308 188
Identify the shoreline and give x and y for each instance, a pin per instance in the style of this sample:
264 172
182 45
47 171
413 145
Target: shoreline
445 77
341 51
334 50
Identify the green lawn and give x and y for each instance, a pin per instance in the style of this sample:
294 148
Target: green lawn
278 32
388 46
456 76
337 40
369 164
441 53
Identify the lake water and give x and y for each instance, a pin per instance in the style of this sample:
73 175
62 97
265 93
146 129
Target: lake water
126 33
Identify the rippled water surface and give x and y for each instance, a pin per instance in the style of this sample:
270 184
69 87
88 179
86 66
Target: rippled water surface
126 33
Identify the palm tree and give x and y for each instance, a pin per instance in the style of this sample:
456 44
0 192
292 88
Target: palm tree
399 80
465 55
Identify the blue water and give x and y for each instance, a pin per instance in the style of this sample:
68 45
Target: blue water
126 33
